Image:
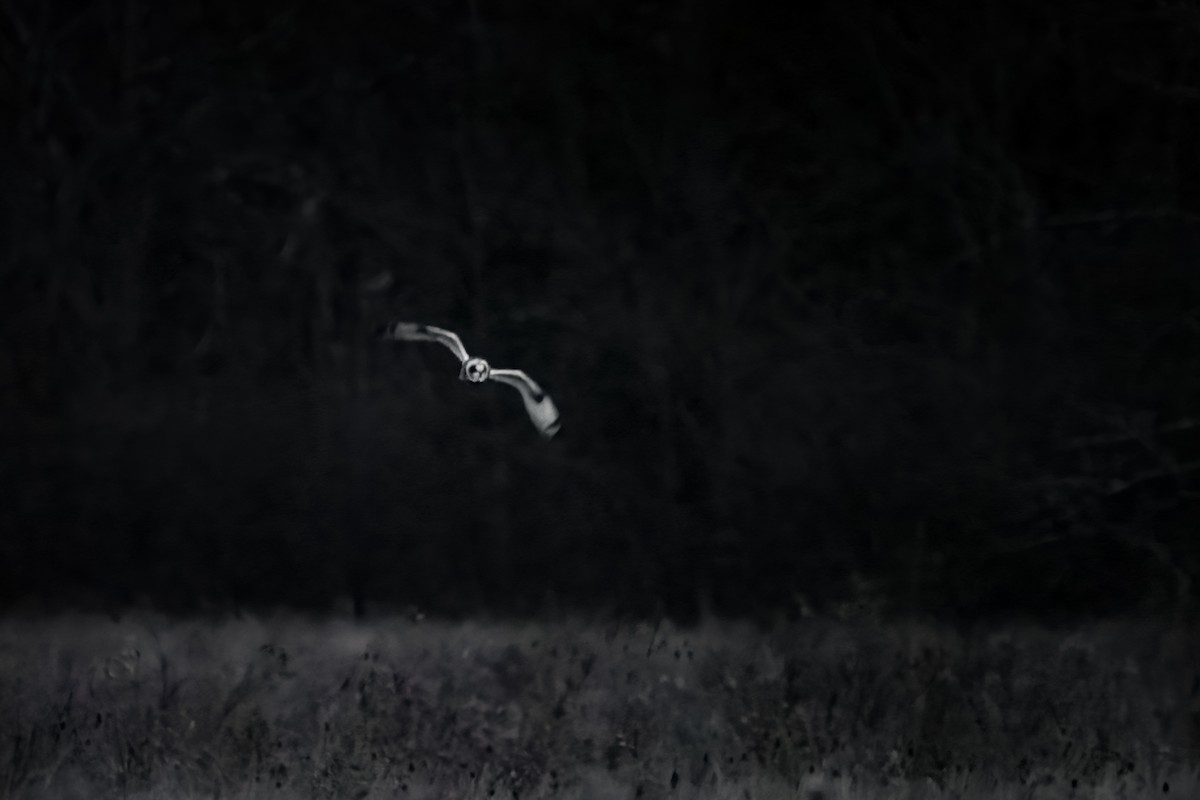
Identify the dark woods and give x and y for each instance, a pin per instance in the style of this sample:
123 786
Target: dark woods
878 304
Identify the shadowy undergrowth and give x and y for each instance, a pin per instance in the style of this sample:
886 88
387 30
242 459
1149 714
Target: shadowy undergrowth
292 708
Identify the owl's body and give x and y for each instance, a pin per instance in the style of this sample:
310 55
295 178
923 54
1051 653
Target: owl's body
542 411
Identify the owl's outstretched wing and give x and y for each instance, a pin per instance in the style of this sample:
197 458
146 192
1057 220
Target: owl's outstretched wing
539 405
415 332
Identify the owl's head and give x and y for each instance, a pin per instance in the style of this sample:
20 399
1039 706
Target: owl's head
475 370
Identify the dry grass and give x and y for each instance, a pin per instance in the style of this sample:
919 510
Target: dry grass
288 707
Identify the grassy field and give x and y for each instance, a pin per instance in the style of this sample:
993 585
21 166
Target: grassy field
293 708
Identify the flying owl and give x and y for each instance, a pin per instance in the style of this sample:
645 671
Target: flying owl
541 408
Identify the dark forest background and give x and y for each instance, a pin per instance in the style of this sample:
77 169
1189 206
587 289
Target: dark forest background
896 304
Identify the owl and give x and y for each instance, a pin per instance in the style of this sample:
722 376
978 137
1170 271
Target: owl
541 408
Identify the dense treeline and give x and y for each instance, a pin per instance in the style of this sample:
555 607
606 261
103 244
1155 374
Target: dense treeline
899 303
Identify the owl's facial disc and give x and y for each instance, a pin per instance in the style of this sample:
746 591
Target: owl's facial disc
476 370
